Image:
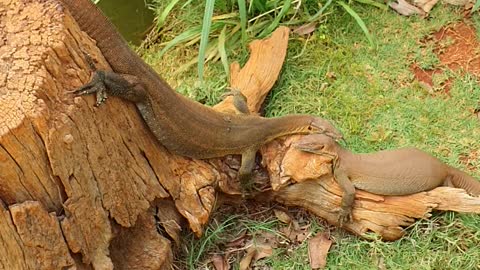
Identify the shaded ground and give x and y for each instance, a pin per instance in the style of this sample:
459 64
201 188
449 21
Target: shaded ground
457 48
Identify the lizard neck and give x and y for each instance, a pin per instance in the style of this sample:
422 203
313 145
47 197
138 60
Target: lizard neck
344 154
286 125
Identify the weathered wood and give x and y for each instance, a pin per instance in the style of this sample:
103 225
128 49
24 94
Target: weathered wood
62 152
257 77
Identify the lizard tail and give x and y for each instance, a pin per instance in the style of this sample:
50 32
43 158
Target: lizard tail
460 179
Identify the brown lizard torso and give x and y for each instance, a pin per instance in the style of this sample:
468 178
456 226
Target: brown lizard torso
391 172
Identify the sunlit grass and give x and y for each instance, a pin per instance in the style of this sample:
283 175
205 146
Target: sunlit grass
371 95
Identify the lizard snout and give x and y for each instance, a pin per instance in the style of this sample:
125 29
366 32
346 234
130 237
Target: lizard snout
323 126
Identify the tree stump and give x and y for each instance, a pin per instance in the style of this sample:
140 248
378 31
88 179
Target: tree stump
85 187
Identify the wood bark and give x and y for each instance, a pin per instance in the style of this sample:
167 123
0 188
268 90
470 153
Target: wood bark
85 187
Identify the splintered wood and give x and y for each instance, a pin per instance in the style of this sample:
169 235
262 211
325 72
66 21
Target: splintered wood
260 73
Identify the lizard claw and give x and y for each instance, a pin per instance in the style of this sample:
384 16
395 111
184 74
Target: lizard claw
96 85
344 216
101 97
245 180
239 100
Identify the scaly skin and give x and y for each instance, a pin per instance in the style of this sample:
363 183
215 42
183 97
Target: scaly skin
392 172
183 126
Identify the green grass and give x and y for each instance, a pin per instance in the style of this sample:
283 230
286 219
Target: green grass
370 94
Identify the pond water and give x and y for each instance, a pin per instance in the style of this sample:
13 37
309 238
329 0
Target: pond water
131 17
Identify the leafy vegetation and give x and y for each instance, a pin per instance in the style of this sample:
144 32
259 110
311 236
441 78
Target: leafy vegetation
370 94
240 20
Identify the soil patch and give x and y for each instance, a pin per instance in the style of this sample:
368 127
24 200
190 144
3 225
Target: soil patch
457 48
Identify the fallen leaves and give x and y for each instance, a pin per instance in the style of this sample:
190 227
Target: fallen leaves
404 8
248 250
305 29
318 248
258 249
220 262
423 7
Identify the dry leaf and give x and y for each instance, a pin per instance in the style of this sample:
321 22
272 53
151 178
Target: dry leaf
238 241
255 253
305 29
295 235
220 263
247 259
425 5
404 8
318 248
282 216
259 248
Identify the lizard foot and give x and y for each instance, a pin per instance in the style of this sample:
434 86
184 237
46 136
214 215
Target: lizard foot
239 100
96 85
344 216
245 183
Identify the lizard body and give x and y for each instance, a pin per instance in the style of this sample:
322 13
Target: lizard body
183 126
390 172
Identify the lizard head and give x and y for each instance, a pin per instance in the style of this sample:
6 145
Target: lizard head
322 126
320 144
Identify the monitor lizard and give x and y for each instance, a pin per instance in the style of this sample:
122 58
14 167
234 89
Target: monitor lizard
183 126
390 172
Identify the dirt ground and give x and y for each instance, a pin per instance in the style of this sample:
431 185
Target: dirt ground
457 48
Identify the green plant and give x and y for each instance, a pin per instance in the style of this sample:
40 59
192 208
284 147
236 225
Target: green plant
239 20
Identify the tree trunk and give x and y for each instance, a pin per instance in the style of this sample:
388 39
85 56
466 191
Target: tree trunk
85 187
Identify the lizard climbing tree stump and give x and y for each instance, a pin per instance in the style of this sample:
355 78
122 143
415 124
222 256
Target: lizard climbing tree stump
92 188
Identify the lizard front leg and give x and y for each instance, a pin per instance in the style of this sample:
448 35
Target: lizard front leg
239 100
345 212
246 168
106 82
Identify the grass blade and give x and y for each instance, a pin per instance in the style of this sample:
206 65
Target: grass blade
186 4
476 6
359 21
242 8
320 12
165 12
222 51
373 3
276 21
183 37
225 16
207 22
